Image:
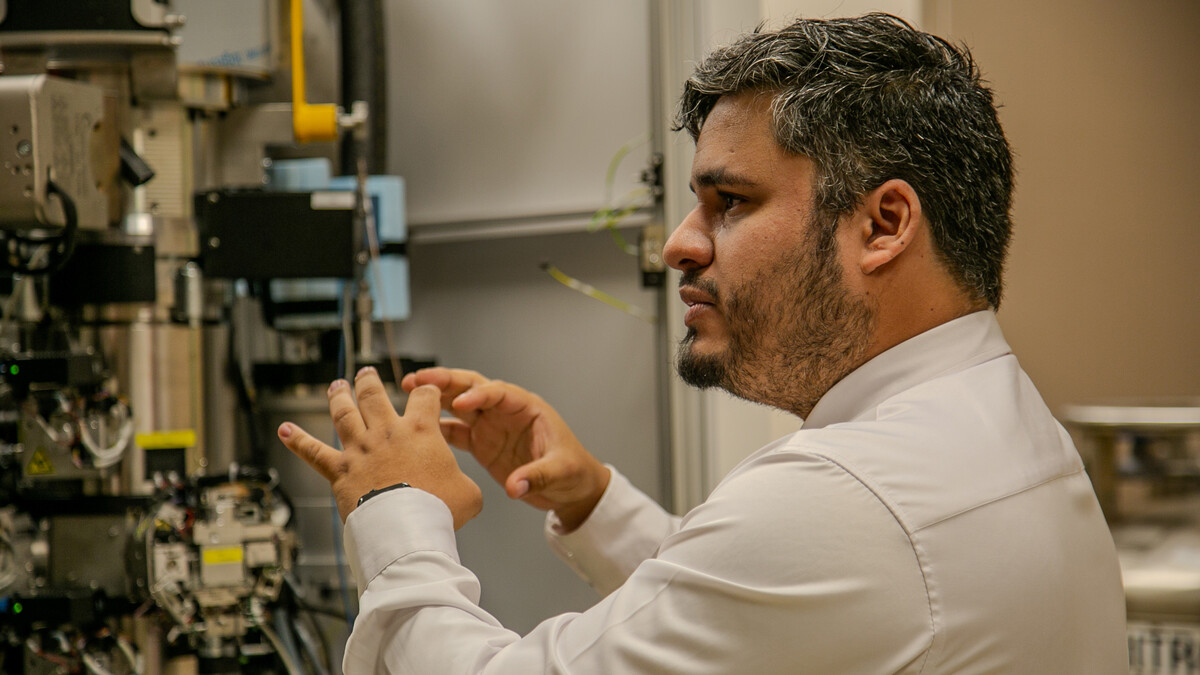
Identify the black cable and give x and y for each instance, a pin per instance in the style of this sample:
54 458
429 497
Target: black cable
63 244
310 644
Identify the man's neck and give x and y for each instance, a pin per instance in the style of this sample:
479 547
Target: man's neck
906 317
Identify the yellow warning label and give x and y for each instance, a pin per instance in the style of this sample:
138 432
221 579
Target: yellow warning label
221 556
39 464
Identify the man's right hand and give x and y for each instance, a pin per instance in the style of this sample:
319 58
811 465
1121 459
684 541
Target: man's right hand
520 440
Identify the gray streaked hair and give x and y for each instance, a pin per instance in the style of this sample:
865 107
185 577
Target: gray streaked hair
870 99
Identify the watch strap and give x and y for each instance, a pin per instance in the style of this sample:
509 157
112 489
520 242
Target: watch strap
379 491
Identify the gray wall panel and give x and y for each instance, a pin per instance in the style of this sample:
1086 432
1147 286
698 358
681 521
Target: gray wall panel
487 306
514 108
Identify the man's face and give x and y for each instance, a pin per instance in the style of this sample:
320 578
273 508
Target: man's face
769 318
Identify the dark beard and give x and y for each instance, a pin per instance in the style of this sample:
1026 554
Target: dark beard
785 352
702 372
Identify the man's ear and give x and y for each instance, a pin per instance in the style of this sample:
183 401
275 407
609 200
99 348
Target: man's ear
892 218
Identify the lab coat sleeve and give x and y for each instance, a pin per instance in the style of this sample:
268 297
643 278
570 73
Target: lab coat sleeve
794 566
624 529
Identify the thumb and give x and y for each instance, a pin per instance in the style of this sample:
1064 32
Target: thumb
531 478
408 382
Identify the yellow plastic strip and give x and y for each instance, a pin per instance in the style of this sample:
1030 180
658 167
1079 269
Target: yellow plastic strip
593 292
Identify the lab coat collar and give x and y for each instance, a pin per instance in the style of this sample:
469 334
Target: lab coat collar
950 347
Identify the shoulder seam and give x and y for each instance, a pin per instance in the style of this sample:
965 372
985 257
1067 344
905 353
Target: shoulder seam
999 498
916 553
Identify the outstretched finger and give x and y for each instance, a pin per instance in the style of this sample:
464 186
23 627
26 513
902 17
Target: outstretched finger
423 405
316 454
373 402
347 421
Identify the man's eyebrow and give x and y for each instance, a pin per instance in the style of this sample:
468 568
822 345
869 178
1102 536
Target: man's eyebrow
720 176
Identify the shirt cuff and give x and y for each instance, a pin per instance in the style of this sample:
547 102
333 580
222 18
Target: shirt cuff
391 525
589 549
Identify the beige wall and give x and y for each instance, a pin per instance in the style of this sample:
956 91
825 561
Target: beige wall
1101 101
778 13
1102 106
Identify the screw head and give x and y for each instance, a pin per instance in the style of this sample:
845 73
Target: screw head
24 148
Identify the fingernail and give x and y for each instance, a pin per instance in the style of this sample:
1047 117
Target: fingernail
365 370
337 385
285 430
522 488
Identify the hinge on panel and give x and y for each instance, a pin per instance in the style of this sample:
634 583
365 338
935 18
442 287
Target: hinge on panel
653 236
652 176
650 255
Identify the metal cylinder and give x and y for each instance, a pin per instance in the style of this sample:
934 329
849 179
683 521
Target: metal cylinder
155 363
364 78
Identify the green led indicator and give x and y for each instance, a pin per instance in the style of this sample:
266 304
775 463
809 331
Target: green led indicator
18 608
14 369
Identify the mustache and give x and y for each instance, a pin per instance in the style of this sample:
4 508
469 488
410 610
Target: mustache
693 279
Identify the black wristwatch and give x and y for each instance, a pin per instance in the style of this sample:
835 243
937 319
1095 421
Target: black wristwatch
380 491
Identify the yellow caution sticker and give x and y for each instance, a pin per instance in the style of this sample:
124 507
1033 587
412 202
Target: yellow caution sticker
39 464
163 440
223 555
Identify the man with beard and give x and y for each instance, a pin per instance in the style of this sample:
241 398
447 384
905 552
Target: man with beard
842 263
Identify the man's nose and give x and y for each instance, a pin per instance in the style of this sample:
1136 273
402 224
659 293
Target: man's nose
689 246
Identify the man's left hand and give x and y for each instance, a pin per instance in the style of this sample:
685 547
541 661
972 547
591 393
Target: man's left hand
382 448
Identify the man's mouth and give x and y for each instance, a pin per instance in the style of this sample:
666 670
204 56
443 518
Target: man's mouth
698 301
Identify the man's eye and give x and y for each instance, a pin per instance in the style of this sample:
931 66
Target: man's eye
729 201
